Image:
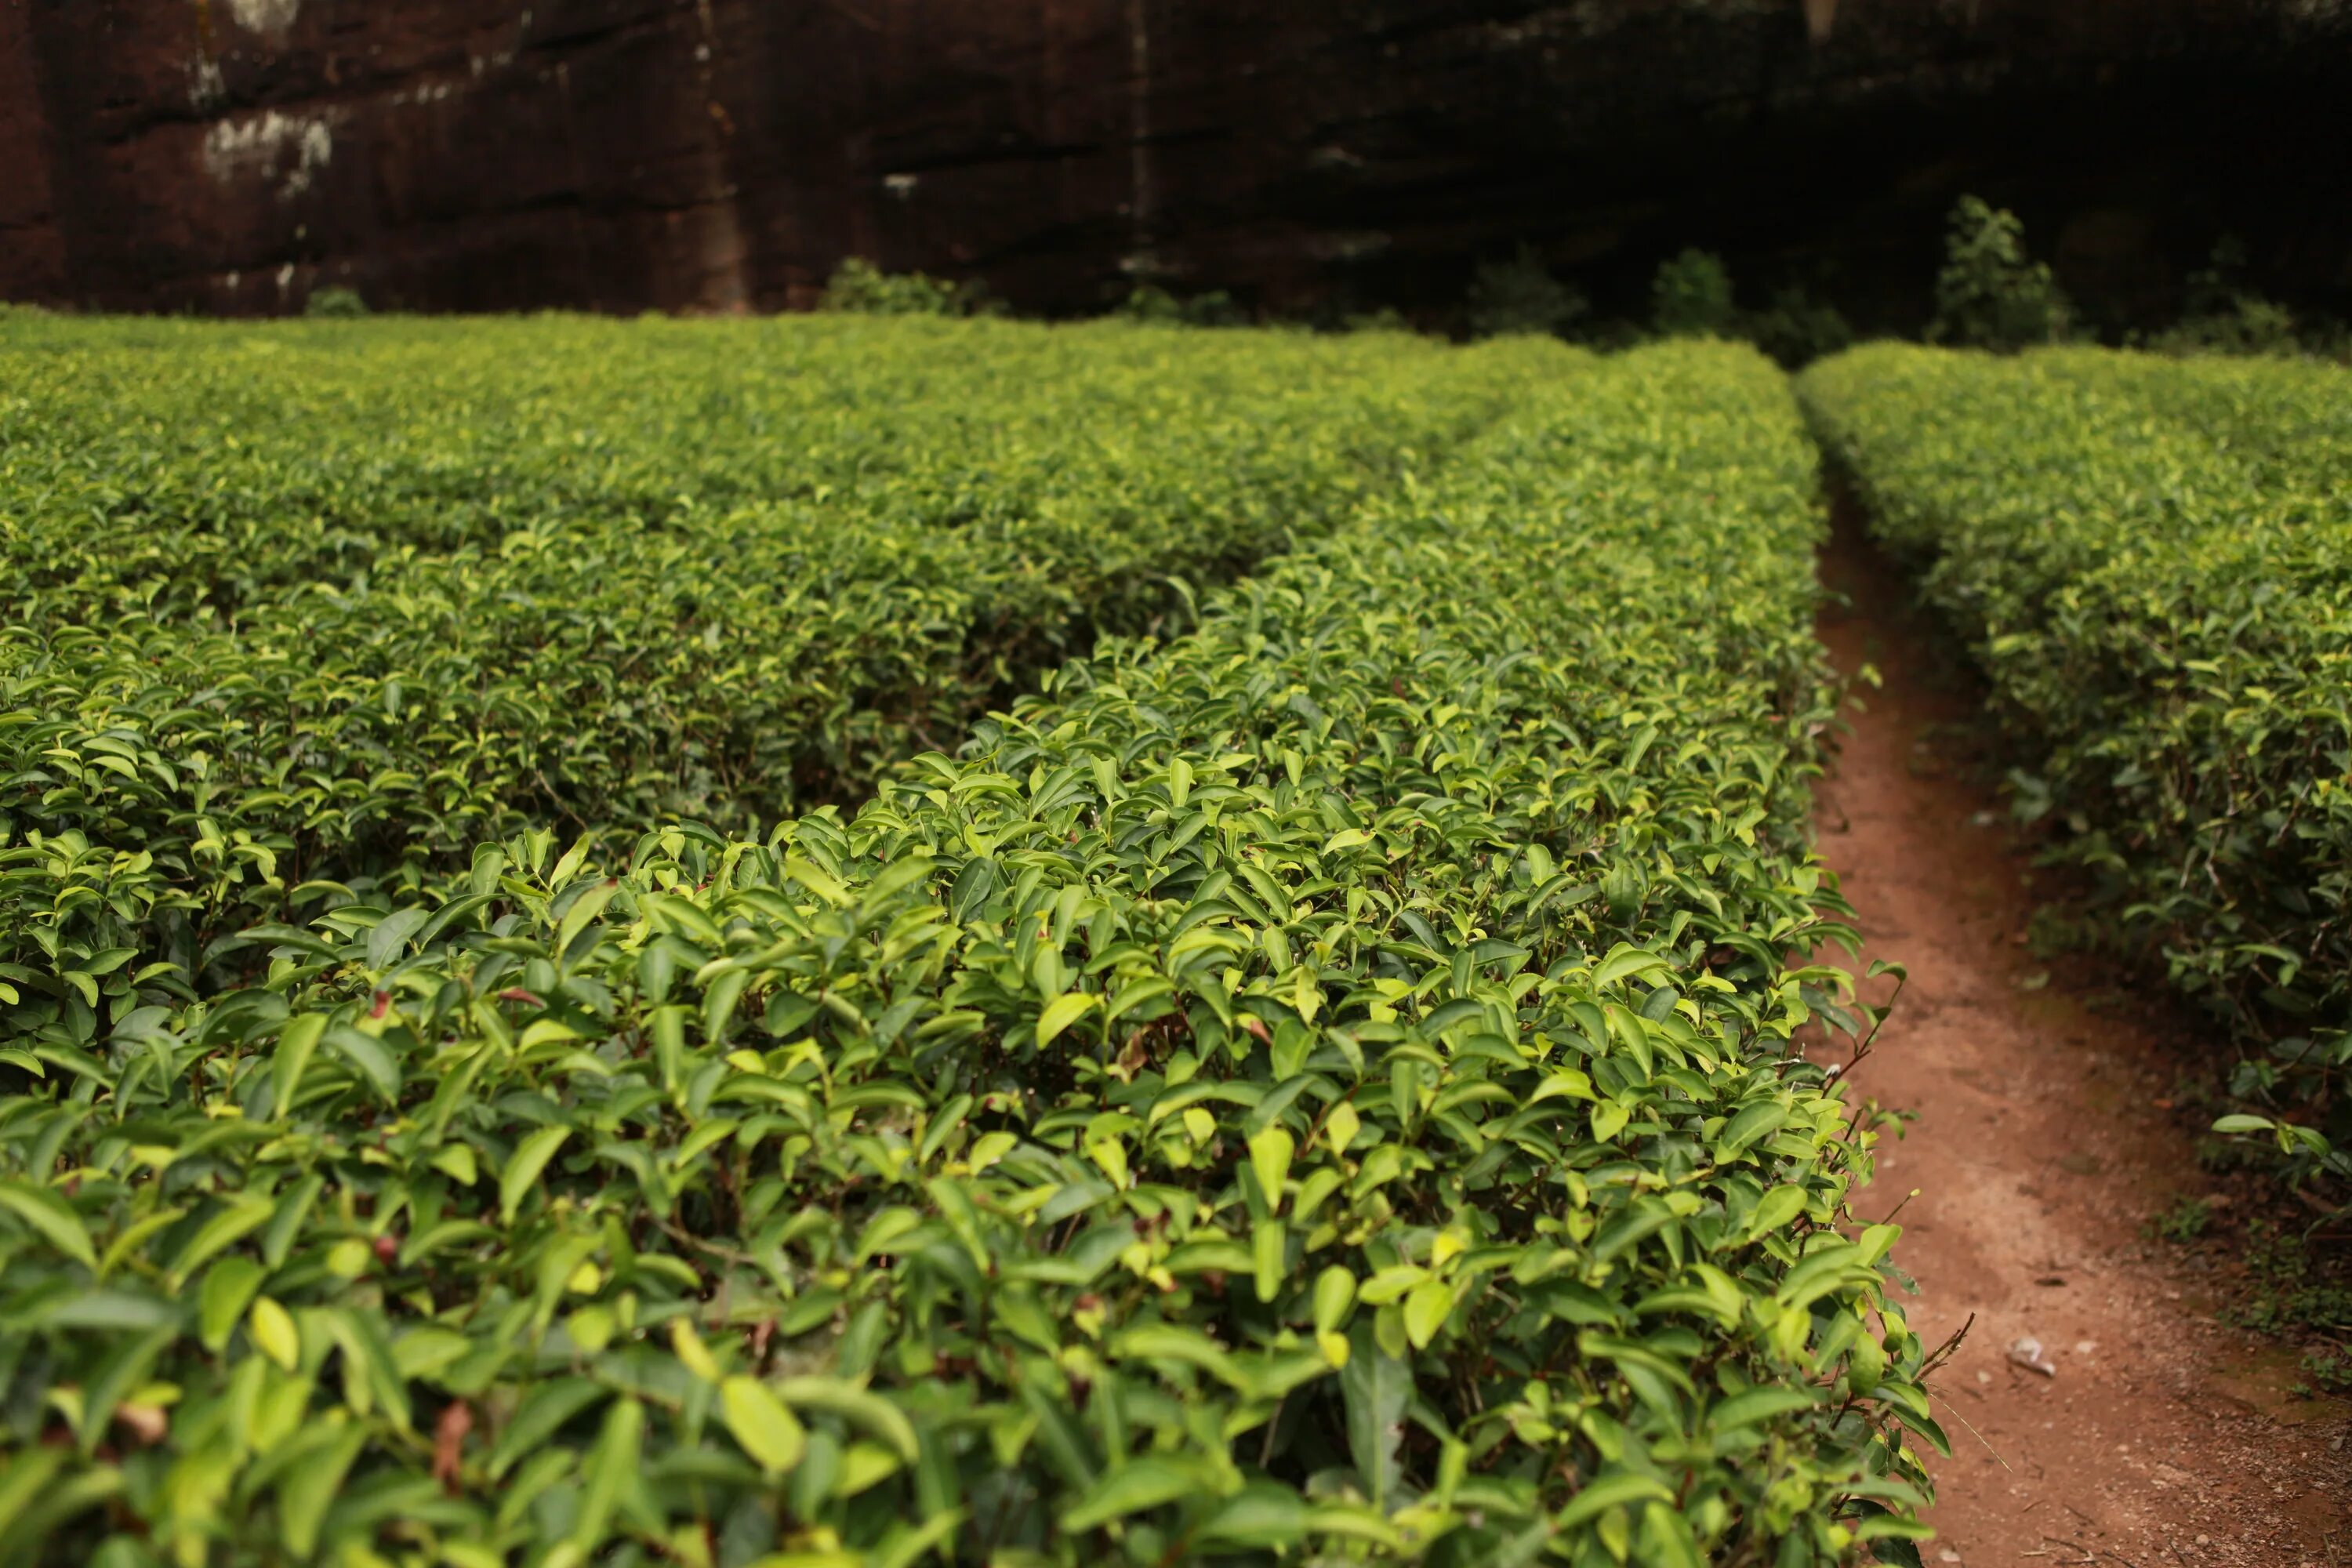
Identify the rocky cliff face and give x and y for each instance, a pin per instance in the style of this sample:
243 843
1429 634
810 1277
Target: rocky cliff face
232 156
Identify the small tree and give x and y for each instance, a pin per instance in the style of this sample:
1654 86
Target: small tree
1150 302
2228 316
332 302
1386 318
1796 329
1521 296
859 286
1691 297
1989 293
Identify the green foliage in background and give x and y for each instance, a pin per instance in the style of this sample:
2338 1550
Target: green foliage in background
2153 561
1386 318
1521 296
1153 304
860 288
1991 294
1797 328
1326 1085
504 608
1691 297
2225 315
334 301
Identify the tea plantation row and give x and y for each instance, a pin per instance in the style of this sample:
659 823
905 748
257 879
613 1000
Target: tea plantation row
2152 561
300 614
1328 1084
175 465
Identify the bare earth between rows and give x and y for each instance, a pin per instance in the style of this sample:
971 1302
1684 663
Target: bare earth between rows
2037 1155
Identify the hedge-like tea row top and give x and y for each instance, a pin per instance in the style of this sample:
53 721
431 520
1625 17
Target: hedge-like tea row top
188 744
176 467
1324 1086
2153 560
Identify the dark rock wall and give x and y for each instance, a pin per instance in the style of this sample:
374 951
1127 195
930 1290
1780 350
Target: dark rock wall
32 245
231 155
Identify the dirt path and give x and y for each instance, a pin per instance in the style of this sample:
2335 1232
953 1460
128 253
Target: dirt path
2163 1437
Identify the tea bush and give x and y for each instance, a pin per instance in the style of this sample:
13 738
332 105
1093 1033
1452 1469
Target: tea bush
216 713
1326 1084
171 467
2153 561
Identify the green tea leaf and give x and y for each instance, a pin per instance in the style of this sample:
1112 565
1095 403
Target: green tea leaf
1374 1387
877 1417
524 1165
228 1290
763 1424
1141 1483
1062 1011
1613 1489
368 1054
48 1213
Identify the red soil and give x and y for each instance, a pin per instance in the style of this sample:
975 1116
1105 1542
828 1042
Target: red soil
2039 1154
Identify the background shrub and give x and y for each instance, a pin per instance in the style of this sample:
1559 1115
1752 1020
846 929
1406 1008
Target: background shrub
1797 328
1152 303
1991 294
1691 297
858 285
334 301
1520 295
2223 315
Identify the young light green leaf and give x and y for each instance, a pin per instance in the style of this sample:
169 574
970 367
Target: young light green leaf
1062 1011
1270 1152
762 1422
807 873
1335 1293
1775 1209
273 1332
1269 1248
1425 1310
1628 962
